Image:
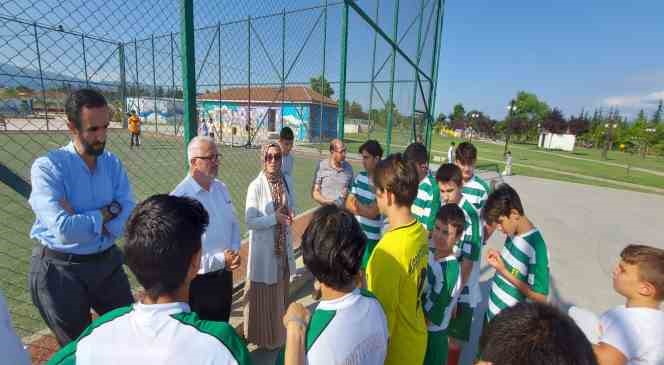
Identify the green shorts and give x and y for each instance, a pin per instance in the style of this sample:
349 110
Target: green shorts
437 348
459 327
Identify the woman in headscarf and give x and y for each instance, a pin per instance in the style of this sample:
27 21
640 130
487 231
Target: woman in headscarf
268 217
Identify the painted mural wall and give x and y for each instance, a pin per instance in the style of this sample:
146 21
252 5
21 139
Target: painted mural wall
233 118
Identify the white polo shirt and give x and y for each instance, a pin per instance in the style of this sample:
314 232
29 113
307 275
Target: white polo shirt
223 231
11 348
167 334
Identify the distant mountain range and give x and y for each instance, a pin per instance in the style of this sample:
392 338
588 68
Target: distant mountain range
14 76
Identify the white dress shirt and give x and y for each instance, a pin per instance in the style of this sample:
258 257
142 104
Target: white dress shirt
223 231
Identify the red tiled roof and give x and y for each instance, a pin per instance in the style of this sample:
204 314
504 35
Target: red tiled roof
300 94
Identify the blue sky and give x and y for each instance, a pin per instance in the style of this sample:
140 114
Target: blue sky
573 54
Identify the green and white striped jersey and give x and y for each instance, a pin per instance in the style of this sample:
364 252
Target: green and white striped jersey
476 190
442 290
426 204
347 330
363 189
469 247
526 257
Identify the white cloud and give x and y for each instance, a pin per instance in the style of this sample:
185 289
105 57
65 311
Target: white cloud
634 101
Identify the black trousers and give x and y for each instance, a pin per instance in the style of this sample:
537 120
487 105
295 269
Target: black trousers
211 295
135 137
64 289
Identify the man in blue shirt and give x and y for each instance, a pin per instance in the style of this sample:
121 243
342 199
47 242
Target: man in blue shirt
81 198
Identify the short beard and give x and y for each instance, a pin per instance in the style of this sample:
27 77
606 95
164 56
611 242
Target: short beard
89 149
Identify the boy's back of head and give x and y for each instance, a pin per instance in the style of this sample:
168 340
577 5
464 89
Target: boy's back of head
398 176
650 263
500 203
534 333
417 153
162 236
466 154
333 246
286 134
449 173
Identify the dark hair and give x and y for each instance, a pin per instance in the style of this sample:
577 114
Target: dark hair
79 99
399 177
452 143
332 246
466 153
534 333
162 235
449 172
416 152
372 147
453 215
650 261
286 133
500 203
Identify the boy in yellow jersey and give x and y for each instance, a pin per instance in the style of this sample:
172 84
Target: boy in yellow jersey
397 268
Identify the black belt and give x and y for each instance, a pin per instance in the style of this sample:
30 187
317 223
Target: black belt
70 257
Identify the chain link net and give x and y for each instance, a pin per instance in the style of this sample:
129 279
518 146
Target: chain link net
259 66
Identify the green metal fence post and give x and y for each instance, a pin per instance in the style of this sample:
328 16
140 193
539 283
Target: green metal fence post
188 69
440 12
248 129
154 88
393 66
373 71
417 74
123 84
341 107
322 106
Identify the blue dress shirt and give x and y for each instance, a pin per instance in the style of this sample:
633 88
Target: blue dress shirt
62 174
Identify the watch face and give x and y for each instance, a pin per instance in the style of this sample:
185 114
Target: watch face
115 208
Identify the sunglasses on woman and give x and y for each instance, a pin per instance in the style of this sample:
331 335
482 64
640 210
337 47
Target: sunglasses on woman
273 157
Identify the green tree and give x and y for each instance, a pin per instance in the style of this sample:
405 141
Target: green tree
458 113
531 110
321 85
659 113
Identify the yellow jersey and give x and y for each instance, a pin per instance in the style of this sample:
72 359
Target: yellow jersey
396 273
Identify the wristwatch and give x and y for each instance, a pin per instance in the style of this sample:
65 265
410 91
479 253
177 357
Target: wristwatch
115 208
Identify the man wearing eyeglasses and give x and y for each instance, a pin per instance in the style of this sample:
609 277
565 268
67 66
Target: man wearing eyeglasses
211 291
333 177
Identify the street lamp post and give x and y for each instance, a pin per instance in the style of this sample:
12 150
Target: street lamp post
609 136
511 108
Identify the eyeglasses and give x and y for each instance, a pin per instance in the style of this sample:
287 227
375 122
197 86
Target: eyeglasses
213 158
272 157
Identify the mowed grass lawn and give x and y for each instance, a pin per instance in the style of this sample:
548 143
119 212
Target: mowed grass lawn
157 167
582 161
